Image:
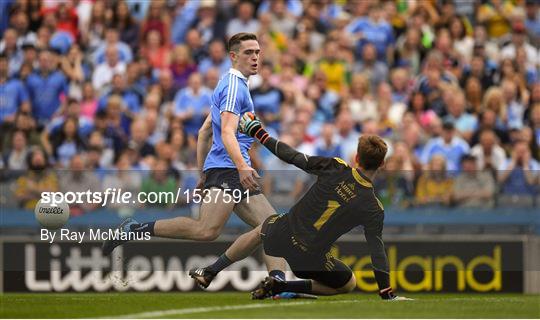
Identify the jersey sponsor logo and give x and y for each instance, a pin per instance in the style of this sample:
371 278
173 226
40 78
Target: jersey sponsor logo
345 191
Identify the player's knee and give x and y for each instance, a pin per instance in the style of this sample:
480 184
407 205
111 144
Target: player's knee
209 234
349 286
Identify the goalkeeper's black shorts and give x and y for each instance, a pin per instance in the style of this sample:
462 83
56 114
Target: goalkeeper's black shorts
278 241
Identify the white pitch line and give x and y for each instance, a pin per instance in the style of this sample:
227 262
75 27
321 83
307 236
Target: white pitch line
163 313
176 312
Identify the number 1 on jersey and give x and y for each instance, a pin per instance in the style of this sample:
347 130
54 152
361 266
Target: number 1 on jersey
330 209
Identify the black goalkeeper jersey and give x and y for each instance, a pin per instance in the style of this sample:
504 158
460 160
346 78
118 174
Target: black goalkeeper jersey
340 200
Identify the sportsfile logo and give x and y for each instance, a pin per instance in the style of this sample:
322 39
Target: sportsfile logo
92 235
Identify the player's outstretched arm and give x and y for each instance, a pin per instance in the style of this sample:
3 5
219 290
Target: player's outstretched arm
379 262
252 126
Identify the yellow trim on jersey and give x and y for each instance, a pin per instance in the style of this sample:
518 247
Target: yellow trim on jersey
343 162
360 179
380 203
331 208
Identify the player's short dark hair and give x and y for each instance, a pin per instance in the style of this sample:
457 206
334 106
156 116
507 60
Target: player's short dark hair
371 152
237 39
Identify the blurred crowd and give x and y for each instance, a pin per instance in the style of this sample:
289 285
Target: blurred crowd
112 93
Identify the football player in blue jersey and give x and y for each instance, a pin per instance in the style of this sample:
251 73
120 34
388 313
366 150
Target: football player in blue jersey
222 156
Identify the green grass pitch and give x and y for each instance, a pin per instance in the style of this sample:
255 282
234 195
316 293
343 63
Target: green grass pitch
238 305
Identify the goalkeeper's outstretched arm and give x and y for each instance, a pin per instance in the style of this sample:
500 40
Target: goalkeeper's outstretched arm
251 125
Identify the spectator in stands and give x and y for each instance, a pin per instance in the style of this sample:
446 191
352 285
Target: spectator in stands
433 80
89 103
166 85
527 134
390 113
10 48
413 139
473 95
496 15
13 94
515 108
267 98
532 21
399 80
155 50
178 142
488 152
70 108
326 100
192 104
481 69
103 73
208 22
464 122
79 179
15 159
409 50
185 12
66 142
373 69
217 58
463 43
347 135
419 108
392 186
535 124
244 21
360 103
160 182
156 129
73 68
126 25
327 145
472 187
281 17
114 123
122 177
434 186
519 39
449 145
336 69
139 136
157 19
182 66
104 154
488 121
118 87
196 46
373 29
517 174
39 178
24 122
112 39
46 86
494 101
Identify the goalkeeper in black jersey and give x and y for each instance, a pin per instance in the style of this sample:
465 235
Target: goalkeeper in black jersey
340 200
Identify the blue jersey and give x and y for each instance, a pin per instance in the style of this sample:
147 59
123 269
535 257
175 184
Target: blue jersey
230 95
45 92
12 95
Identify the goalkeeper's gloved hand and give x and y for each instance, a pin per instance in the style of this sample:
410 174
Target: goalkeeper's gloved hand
252 126
388 294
